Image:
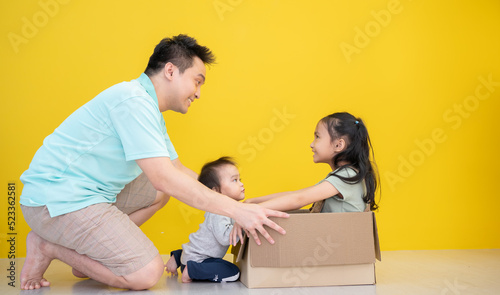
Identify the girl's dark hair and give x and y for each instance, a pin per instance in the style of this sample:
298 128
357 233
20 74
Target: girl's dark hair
208 175
356 153
180 51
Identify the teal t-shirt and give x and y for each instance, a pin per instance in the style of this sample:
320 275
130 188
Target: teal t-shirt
352 194
91 156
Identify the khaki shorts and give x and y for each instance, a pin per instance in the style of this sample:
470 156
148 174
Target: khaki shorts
136 195
103 232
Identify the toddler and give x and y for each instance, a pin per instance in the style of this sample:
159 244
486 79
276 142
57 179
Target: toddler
201 257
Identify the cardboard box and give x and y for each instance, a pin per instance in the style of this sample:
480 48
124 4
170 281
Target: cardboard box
319 249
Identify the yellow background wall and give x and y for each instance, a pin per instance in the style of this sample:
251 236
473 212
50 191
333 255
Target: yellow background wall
424 75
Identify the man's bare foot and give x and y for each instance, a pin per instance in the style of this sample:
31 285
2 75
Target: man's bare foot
185 276
78 274
36 263
171 266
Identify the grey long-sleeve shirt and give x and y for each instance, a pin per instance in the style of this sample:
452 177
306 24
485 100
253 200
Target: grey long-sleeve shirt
211 240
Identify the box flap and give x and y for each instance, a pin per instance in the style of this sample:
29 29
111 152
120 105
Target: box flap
317 239
239 250
378 255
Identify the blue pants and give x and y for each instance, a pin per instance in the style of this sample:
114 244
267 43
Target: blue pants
210 269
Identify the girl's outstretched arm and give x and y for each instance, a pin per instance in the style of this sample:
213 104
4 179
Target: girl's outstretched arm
259 200
297 199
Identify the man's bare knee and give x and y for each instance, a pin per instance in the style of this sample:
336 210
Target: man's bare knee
147 276
160 200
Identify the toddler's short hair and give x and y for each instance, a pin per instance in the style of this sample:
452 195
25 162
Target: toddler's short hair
208 175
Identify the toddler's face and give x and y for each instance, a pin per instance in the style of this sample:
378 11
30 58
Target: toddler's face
230 182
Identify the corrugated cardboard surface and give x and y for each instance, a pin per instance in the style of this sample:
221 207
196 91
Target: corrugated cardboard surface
321 238
323 249
306 276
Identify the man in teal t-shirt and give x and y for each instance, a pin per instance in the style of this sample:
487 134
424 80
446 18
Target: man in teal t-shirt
91 155
70 200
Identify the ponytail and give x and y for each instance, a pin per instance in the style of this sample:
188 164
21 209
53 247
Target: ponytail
356 154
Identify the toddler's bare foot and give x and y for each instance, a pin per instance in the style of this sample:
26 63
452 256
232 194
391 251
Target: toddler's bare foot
185 276
171 266
36 263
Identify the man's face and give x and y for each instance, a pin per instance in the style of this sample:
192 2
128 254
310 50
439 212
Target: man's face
186 87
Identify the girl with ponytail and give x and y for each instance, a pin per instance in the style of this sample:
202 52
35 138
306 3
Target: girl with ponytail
341 141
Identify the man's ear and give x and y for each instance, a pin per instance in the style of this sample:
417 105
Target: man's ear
169 70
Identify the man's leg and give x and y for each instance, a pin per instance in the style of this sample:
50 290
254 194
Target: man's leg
142 215
41 252
138 217
109 247
140 200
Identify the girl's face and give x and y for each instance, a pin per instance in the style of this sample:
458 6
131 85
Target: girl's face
230 182
322 146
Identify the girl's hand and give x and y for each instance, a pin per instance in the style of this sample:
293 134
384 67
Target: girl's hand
236 233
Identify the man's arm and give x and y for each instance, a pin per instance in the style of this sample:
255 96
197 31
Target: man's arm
177 163
166 178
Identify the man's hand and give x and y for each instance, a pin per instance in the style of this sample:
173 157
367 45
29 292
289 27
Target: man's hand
252 218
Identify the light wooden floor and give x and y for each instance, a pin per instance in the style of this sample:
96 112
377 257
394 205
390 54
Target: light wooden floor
400 272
